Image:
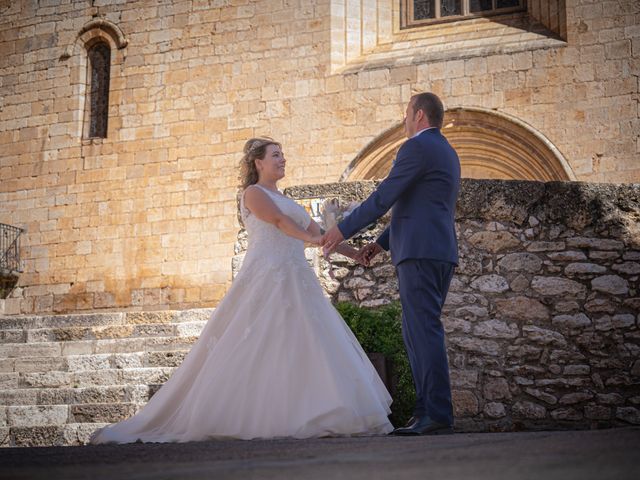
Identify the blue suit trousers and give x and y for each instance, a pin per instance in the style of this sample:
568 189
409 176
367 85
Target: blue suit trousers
424 284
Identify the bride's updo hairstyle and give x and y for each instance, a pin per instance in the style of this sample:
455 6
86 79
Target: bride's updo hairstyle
254 148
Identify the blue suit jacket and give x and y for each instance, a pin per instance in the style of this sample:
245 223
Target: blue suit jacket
422 187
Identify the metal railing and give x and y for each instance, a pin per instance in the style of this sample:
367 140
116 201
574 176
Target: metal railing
10 248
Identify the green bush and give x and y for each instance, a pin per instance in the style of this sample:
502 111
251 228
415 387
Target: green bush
379 330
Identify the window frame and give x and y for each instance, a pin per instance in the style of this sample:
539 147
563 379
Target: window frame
407 21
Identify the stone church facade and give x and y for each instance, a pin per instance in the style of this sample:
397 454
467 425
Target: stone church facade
122 122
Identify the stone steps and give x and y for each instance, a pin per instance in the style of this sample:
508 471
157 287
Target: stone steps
61 377
109 332
86 378
79 363
8 322
64 435
131 393
93 347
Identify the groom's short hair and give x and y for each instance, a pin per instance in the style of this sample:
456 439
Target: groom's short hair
432 107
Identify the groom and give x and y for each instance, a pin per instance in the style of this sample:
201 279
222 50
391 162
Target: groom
422 187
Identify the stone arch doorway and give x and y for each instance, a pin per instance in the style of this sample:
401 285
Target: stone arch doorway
490 145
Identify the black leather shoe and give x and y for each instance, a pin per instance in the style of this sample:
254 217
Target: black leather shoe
424 426
408 425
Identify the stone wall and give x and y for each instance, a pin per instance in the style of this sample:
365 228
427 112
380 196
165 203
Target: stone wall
543 314
144 219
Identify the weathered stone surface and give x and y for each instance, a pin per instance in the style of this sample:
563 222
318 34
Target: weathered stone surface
521 308
543 336
603 255
77 363
471 312
557 286
452 324
567 256
577 370
101 412
565 414
464 379
520 283
46 379
150 317
610 398
612 284
475 345
529 410
597 412
39 415
565 307
579 320
628 268
515 262
582 268
621 321
542 395
490 284
577 397
41 436
496 329
545 246
594 243
465 403
493 241
496 389
494 410
600 305
628 414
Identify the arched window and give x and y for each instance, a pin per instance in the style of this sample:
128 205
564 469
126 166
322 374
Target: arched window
99 68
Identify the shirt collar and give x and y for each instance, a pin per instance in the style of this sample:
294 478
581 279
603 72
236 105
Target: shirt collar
423 130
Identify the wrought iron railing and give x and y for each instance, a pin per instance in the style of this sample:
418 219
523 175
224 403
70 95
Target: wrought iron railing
10 248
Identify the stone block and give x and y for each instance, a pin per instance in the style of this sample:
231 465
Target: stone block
579 320
556 286
490 284
465 403
37 415
521 308
543 336
528 410
495 410
583 268
496 389
39 436
612 284
496 329
494 241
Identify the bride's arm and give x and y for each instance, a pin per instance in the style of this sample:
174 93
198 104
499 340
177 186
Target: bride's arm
343 249
259 203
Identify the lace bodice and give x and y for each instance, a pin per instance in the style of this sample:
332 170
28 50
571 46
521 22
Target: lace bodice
266 240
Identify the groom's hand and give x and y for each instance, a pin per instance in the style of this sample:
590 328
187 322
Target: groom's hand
332 239
368 252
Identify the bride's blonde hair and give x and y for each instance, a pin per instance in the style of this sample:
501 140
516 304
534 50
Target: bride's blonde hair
254 148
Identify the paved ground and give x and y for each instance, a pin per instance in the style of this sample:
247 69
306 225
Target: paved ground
584 455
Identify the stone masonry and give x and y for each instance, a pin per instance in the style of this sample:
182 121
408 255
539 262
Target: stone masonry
543 314
145 218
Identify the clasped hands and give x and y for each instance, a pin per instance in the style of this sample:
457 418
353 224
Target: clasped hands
332 239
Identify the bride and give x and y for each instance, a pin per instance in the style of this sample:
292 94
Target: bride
275 359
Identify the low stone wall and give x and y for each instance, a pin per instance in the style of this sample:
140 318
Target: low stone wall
542 317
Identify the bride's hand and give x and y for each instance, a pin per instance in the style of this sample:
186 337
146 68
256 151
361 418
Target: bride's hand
316 240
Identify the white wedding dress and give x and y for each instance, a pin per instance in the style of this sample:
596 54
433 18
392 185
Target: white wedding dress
275 359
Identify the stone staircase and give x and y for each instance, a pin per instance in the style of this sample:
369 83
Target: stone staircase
63 376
